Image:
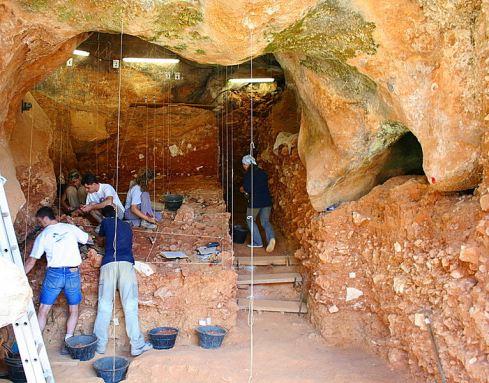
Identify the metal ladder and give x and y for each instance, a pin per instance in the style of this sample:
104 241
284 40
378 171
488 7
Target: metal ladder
27 332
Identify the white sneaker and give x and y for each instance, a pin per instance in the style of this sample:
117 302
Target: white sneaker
138 351
254 246
271 245
147 225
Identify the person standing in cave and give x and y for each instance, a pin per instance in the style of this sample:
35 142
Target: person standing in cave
100 195
259 203
117 272
75 194
139 211
60 243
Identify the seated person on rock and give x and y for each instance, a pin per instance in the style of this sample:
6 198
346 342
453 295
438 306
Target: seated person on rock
259 202
60 243
138 203
75 194
100 195
117 272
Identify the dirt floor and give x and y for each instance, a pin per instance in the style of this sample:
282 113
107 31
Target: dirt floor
287 349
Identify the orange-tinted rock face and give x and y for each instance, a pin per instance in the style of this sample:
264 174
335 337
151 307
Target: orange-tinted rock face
374 265
364 72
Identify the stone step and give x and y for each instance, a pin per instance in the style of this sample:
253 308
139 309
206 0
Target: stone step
260 279
266 260
275 305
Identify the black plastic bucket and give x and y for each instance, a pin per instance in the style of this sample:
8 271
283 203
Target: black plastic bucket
82 347
163 338
173 201
15 369
239 234
112 369
211 336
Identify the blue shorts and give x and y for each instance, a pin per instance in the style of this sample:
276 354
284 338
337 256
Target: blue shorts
58 279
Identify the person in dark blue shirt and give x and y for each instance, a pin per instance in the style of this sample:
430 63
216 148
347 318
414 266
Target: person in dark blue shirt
255 184
117 272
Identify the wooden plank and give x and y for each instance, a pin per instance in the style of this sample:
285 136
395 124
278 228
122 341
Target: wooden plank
262 260
245 279
273 305
267 260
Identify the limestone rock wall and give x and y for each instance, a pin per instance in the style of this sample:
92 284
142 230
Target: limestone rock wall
179 142
29 144
375 265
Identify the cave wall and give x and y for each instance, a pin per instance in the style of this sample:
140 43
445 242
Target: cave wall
401 65
373 265
29 144
366 72
180 141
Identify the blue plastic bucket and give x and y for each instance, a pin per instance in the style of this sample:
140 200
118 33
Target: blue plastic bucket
163 338
211 336
112 369
82 347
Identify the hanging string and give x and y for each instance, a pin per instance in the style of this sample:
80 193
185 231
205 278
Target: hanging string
147 143
114 244
169 135
251 317
154 151
96 106
29 175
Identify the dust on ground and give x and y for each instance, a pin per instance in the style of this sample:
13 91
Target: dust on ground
286 349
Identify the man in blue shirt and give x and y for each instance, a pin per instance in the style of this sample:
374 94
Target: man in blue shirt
117 272
255 184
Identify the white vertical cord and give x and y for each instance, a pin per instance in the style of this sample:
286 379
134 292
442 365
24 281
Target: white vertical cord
251 318
114 244
96 106
154 152
28 186
147 142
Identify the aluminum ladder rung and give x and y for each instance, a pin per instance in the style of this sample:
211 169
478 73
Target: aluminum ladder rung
27 332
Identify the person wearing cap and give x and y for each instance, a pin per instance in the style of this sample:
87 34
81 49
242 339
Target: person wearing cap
255 184
75 194
139 211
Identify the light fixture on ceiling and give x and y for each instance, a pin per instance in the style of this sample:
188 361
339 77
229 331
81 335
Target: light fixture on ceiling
150 60
251 80
79 52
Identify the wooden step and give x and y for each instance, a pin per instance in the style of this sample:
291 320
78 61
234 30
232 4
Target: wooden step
273 305
259 279
266 260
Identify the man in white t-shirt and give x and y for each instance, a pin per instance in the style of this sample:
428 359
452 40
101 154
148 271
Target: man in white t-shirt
60 243
100 195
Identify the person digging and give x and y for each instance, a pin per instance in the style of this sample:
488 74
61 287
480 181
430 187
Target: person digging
60 243
99 195
259 203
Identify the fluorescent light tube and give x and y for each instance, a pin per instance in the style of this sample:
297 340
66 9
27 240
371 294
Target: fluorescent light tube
150 60
251 80
81 53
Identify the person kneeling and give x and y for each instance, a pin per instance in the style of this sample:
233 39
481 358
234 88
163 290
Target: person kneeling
98 196
117 272
138 203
